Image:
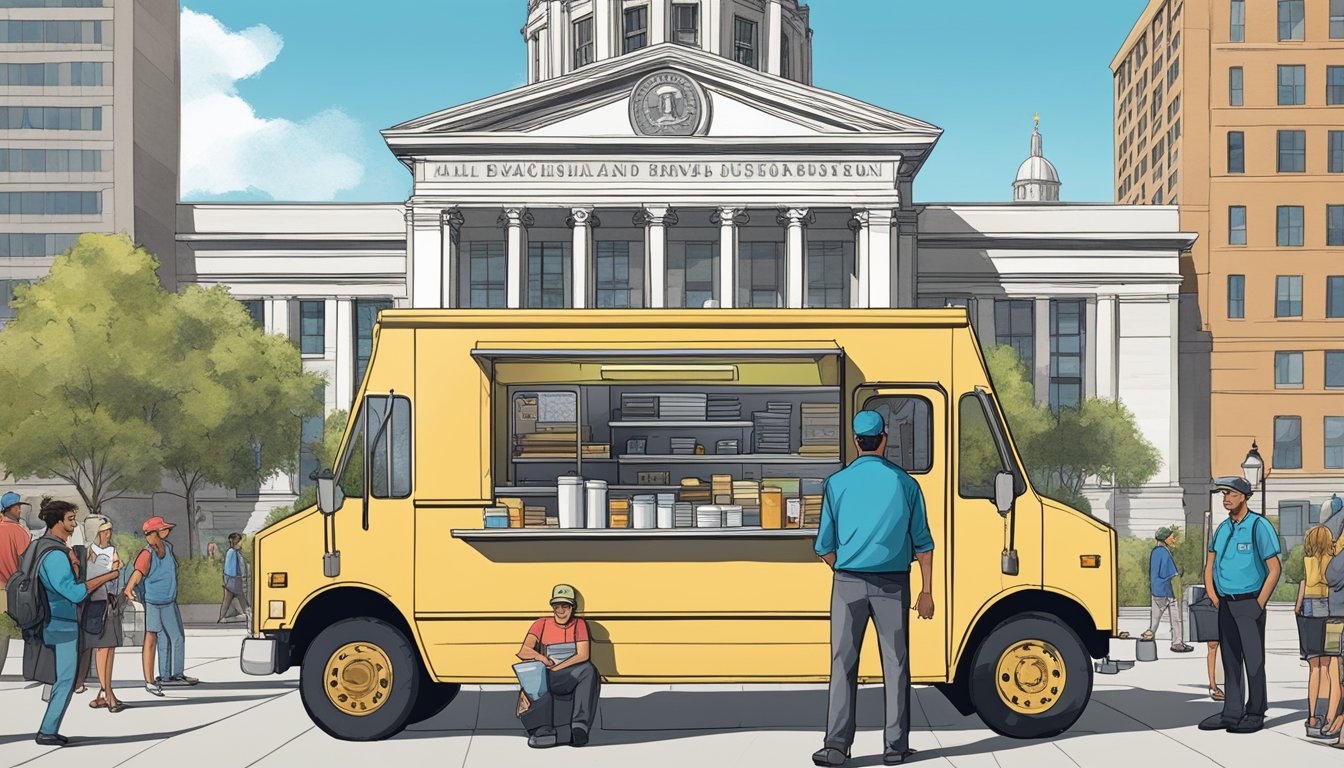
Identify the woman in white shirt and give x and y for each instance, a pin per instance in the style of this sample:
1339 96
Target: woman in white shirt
101 622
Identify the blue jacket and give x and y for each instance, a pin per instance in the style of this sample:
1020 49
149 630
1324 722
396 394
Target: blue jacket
873 518
63 594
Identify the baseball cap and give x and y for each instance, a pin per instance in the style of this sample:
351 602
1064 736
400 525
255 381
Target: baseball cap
563 593
1164 532
868 424
9 499
1234 483
156 523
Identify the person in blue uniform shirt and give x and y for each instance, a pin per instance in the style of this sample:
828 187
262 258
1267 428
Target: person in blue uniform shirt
873 525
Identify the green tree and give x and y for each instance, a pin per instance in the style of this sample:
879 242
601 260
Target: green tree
81 368
1099 439
324 450
236 420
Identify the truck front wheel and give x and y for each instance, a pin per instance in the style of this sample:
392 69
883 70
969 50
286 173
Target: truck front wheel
1031 677
360 680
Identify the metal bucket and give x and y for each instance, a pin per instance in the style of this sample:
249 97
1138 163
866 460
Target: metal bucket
1146 650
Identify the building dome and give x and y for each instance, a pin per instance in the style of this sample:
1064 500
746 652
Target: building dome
1037 180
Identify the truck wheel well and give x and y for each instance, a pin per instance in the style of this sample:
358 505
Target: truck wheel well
334 605
1069 611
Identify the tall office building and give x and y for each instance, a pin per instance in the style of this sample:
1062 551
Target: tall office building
89 116
1234 111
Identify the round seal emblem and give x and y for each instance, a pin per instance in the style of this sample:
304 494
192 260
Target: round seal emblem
667 103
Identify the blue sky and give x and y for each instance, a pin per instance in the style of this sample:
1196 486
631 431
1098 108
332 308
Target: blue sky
284 100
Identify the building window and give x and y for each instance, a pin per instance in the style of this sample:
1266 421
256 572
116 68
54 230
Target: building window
1334 369
51 118
1236 152
52 32
692 273
31 244
1173 72
636 28
536 58
620 278
366 313
745 48
1236 297
1334 296
51 160
1334 225
1288 296
830 267
1287 370
312 327
6 296
785 64
1015 325
55 74
51 203
1335 150
1287 442
257 309
1234 87
686 23
1067 340
761 269
1236 225
486 286
1292 85
1292 152
1289 226
1337 19
1334 442
548 275
1237 30
583 42
1334 85
1291 19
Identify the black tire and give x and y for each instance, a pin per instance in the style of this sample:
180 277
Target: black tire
395 701
1059 708
433 699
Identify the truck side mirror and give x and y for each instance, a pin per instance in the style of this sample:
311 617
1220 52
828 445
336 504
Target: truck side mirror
1004 492
326 492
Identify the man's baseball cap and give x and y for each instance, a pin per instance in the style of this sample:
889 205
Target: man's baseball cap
563 593
9 499
1164 533
868 424
1234 483
156 523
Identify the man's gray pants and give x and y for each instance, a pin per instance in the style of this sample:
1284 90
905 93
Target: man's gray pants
854 598
1163 605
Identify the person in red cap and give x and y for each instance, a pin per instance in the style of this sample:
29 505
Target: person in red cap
156 567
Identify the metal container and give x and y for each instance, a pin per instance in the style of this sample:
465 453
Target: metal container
732 516
570 501
595 507
1146 650
666 510
496 517
644 512
709 516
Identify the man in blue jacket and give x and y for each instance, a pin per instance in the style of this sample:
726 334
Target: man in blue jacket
1163 586
873 525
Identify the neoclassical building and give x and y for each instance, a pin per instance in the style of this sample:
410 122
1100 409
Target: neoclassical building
674 154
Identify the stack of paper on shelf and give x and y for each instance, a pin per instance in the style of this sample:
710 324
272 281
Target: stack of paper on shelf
686 406
725 408
721 485
683 513
682 446
693 491
534 517
771 427
639 407
727 447
812 490
821 430
557 444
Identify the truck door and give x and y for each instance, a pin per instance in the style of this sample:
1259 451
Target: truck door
916 418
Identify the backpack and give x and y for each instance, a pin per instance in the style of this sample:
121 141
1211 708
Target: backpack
27 597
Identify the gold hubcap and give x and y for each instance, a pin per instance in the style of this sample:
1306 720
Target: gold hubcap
1030 677
359 678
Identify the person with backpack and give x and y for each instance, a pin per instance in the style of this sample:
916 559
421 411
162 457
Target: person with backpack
14 539
156 568
43 598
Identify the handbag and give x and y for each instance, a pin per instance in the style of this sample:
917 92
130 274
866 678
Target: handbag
94 617
1333 629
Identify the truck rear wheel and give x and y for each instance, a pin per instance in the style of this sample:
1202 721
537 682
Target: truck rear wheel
360 680
1031 677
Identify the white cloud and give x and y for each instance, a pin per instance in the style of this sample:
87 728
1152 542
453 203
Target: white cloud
227 148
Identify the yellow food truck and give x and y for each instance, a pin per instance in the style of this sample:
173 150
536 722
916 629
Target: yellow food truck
670 465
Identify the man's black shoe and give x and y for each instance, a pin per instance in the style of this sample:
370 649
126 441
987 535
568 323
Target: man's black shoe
1247 724
1215 723
829 756
544 738
51 740
892 757
578 737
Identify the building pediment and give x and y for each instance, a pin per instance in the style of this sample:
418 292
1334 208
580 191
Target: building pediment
666 98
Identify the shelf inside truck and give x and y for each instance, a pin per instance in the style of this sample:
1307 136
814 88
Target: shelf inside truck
598 534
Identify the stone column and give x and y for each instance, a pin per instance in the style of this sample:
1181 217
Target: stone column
905 279
878 258
1106 341
345 352
1089 347
1041 376
728 217
514 219
658 10
450 229
794 221
769 42
711 36
602 30
424 273
581 220
858 297
655 219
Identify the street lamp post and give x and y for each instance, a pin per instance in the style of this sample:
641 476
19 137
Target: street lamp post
1253 468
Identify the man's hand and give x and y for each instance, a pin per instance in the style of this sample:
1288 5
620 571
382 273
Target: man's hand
1214 598
130 597
1262 601
925 605
548 661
